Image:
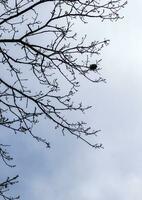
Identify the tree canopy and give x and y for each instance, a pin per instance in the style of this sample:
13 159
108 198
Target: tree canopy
42 61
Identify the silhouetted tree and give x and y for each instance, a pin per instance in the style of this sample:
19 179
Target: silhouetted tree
40 54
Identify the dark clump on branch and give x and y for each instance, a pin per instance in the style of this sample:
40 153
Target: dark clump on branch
93 67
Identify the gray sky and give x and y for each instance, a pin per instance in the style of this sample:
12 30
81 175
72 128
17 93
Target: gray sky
72 170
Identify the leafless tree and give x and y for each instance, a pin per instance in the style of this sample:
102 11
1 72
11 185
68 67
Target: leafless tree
40 54
41 48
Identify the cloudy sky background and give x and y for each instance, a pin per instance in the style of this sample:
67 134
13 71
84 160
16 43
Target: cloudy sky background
71 169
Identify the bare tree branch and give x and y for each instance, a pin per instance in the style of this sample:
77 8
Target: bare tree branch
41 61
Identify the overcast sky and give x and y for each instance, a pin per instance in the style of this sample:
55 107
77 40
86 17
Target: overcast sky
72 170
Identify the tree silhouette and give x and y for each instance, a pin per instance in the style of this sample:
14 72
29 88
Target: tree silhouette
39 54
